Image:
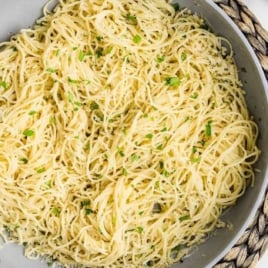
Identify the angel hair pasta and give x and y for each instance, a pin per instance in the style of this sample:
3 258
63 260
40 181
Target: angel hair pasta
124 134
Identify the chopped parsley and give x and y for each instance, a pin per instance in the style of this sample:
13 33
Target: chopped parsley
85 203
94 106
183 56
55 211
139 229
176 6
159 147
194 96
208 130
24 160
124 172
81 56
41 170
99 53
184 218
51 70
89 211
173 81
136 39
149 136
195 159
99 38
194 149
121 152
32 112
131 19
134 158
73 81
3 84
28 132
160 59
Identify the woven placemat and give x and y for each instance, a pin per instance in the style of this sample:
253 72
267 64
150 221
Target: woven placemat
254 242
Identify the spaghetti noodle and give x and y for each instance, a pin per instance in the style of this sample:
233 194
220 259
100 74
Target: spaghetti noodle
124 134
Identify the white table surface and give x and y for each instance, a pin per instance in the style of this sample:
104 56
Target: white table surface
260 9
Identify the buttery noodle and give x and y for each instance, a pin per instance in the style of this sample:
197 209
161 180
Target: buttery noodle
124 134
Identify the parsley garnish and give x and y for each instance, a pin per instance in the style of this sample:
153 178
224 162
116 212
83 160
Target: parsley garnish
184 218
139 229
183 56
94 106
3 84
28 132
173 81
149 136
136 39
208 129
132 19
55 211
51 70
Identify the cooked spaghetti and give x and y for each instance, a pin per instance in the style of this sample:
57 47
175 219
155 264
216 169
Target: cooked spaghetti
124 134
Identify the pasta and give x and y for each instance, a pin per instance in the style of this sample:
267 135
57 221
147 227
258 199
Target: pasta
124 134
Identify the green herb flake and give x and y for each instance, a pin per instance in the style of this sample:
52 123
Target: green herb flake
78 103
70 97
24 160
149 136
32 112
134 158
195 159
109 50
41 170
57 52
14 48
99 38
176 6
48 183
208 130
161 164
99 53
85 203
160 59
75 48
132 19
28 132
194 149
157 185
173 81
89 211
94 106
51 70
183 56
124 172
139 229
136 39
204 26
159 147
184 218
72 81
55 211
141 212
165 173
194 96
52 120
87 147
3 84
81 56
163 129
120 151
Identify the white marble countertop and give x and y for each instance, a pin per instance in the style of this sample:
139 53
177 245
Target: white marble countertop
260 9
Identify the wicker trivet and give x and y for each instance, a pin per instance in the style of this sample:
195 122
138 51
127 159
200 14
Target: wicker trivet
254 242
